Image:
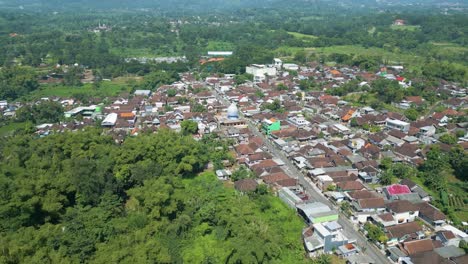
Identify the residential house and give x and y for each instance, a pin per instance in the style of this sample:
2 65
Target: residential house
430 214
403 211
324 237
417 246
270 125
246 185
385 219
317 212
416 189
402 232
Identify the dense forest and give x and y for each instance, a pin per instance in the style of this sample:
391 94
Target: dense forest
79 197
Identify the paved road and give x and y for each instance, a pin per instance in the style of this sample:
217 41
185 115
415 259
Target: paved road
315 194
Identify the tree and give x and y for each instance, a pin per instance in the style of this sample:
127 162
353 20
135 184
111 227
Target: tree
189 127
241 173
448 139
44 112
171 92
412 114
282 87
158 78
322 259
386 177
375 233
243 78
16 82
463 245
459 162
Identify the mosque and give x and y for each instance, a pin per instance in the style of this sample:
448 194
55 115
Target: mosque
232 117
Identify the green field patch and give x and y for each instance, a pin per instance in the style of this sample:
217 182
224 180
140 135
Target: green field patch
301 36
308 18
406 27
134 53
357 50
286 52
219 46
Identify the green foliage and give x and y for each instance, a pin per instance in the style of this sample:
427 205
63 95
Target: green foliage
459 162
386 177
282 87
322 259
158 78
198 108
412 114
171 92
463 245
448 139
16 82
79 197
388 91
241 173
446 71
375 233
189 127
275 106
44 112
243 78
307 84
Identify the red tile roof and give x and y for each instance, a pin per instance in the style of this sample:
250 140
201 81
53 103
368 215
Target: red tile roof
398 189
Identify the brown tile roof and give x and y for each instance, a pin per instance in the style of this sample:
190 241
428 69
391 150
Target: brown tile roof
429 211
244 149
418 246
246 185
287 182
408 150
459 260
259 156
362 194
398 231
401 206
429 257
275 177
397 133
377 202
387 217
408 183
268 163
350 185
351 177
448 235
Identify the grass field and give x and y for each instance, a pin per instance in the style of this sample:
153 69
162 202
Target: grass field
406 27
8 129
133 53
301 36
219 46
392 57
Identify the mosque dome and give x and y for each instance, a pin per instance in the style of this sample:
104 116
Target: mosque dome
232 111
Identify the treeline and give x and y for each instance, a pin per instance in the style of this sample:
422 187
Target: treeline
81 198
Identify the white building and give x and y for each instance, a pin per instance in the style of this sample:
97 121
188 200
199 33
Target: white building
397 124
299 121
110 120
260 71
278 63
220 53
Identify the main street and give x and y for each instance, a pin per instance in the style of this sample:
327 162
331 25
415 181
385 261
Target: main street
314 193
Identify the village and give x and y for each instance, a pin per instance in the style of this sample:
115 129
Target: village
319 153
